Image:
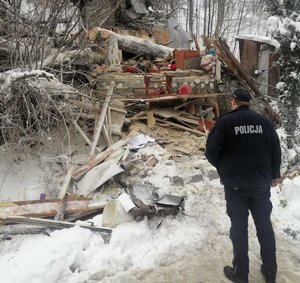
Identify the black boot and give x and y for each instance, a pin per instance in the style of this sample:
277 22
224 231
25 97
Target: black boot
232 276
268 278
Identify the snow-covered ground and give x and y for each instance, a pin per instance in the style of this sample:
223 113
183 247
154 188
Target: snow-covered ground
191 247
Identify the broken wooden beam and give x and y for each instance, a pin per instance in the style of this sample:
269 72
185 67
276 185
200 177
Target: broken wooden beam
43 208
174 97
52 223
102 117
134 44
181 127
101 157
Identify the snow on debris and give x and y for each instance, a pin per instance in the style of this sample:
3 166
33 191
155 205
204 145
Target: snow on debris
261 39
286 199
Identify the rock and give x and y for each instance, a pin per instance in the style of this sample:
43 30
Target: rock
195 179
212 175
176 180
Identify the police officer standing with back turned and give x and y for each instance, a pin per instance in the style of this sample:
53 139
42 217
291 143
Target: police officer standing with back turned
245 149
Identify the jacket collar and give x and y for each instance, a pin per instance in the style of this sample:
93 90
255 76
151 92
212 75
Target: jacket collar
242 107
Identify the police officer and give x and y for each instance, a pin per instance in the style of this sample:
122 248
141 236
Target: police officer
245 149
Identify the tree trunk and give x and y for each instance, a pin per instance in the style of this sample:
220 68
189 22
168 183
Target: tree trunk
240 22
191 16
205 18
220 17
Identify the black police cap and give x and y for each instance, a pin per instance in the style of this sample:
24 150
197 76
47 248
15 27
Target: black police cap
242 95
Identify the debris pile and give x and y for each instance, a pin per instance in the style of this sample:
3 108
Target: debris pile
137 102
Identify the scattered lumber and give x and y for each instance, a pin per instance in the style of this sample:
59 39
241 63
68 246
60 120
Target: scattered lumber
91 163
51 223
198 133
47 208
8 231
62 194
244 77
175 97
102 118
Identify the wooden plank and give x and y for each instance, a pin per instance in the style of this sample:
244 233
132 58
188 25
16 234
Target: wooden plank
102 117
166 112
273 78
101 157
150 119
179 59
175 97
181 127
229 57
52 223
250 56
47 208
188 120
67 181
83 134
192 63
245 75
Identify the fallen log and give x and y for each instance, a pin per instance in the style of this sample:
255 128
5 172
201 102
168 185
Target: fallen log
134 44
43 208
81 57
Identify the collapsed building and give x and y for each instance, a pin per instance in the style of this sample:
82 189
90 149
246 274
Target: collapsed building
128 72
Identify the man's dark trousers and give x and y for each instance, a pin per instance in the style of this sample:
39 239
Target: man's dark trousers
239 202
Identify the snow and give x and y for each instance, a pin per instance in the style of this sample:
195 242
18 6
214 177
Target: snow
273 23
294 75
280 85
286 199
191 246
262 39
73 255
293 45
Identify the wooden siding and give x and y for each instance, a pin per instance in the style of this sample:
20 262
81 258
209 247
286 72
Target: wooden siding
273 73
249 58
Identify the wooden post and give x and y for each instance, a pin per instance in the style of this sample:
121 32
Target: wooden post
83 134
67 181
62 194
102 117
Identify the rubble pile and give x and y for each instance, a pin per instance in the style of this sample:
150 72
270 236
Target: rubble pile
138 102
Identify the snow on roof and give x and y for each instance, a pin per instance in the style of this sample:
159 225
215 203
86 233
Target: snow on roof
258 38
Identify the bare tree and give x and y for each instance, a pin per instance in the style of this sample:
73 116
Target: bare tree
191 16
220 17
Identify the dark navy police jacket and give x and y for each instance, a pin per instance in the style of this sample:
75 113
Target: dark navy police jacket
244 147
